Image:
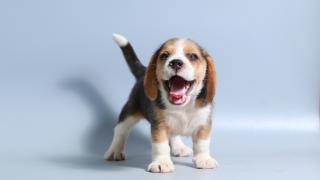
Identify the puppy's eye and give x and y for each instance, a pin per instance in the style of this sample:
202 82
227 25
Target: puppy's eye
192 56
164 56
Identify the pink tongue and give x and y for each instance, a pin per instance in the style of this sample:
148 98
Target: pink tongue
178 90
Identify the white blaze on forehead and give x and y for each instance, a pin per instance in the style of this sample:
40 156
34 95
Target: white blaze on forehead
179 48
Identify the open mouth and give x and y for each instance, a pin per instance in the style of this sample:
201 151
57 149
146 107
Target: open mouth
178 89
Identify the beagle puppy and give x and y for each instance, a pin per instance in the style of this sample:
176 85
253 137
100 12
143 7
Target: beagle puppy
175 94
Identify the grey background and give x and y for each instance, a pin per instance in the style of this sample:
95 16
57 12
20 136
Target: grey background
63 82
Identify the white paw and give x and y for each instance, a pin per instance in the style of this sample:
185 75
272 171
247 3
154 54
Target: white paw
161 165
205 161
181 151
112 155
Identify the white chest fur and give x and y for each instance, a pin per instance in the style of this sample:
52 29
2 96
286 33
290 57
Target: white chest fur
185 121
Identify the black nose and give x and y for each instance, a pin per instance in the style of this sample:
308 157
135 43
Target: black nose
176 64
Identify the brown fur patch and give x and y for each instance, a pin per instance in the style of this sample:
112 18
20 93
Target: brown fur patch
203 132
168 47
137 115
150 82
200 103
191 47
159 128
210 78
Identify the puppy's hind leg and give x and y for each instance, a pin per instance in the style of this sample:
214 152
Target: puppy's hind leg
178 148
121 133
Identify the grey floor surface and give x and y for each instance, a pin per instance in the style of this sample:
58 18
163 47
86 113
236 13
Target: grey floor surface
241 154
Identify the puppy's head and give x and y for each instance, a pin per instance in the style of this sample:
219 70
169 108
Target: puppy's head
180 70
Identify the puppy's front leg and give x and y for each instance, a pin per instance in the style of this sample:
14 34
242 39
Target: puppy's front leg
201 149
161 160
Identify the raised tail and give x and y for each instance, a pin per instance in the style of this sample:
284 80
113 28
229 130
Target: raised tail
136 67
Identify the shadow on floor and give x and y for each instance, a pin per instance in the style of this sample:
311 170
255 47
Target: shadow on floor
99 164
99 135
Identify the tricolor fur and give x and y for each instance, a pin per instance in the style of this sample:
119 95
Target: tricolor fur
175 94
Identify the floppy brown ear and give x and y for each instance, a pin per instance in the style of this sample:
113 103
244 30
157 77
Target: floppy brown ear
210 83
150 81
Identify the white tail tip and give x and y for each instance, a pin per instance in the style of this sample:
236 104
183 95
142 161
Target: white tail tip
120 40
